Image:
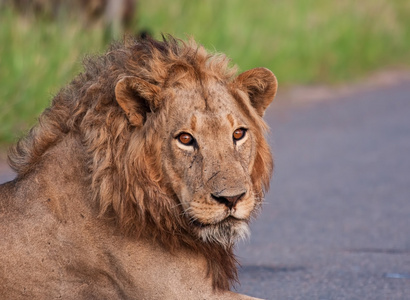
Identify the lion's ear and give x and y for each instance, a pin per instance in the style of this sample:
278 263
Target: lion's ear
260 85
136 97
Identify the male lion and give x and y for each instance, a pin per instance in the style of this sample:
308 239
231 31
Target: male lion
138 178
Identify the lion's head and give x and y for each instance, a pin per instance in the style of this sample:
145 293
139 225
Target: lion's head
207 129
174 143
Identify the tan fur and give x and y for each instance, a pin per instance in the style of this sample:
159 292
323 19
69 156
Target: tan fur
108 202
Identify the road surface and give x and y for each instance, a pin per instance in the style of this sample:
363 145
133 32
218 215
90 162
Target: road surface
336 223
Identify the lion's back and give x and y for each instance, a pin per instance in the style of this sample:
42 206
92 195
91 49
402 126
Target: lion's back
18 257
6 196
29 243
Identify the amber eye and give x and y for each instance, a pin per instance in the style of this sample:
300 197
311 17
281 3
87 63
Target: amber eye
186 139
239 134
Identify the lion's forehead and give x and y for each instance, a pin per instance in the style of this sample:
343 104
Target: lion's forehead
212 109
211 97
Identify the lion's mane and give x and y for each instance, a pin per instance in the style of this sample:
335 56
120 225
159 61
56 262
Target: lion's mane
125 172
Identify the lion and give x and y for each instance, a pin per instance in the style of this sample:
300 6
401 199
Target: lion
139 178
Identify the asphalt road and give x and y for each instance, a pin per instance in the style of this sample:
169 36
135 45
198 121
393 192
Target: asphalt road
336 223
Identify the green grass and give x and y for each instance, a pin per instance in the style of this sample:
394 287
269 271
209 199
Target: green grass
301 41
36 59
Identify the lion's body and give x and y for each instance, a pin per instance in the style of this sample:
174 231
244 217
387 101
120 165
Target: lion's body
53 246
109 203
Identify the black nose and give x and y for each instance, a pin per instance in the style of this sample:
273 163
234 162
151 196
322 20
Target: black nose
229 201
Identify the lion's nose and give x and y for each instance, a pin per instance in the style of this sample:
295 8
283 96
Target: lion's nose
229 201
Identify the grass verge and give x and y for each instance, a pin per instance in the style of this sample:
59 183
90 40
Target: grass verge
302 41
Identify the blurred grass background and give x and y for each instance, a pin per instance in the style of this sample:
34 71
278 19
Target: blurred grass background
301 41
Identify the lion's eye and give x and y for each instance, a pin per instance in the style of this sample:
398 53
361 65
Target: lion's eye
239 134
186 139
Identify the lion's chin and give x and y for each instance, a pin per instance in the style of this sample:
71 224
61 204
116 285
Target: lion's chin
225 233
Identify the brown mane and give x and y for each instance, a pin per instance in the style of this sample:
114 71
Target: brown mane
125 171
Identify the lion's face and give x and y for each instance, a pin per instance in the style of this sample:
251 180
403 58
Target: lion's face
210 138
208 158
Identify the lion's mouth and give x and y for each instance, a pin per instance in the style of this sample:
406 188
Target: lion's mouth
228 220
